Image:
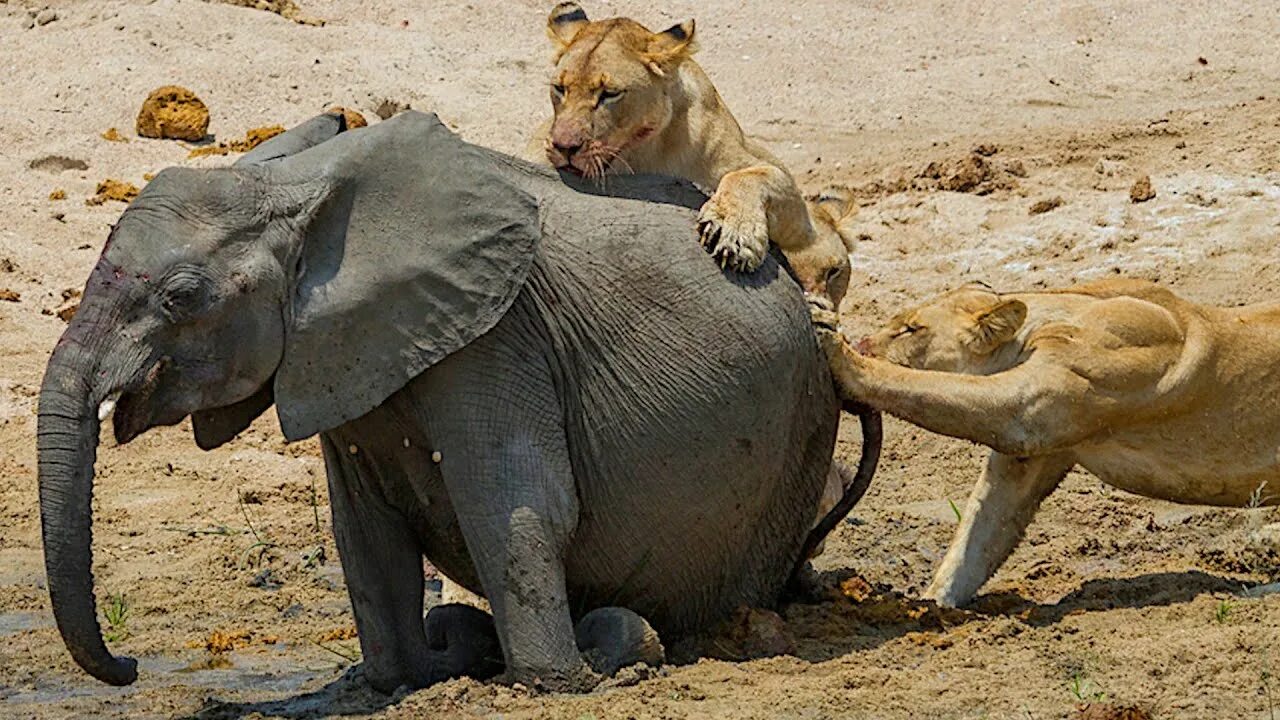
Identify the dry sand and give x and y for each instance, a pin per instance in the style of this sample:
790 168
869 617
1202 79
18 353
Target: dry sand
1111 598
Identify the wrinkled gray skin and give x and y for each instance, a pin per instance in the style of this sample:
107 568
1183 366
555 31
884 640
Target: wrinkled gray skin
618 423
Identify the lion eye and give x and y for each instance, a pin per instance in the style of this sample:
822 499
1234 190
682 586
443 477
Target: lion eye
558 90
607 96
834 272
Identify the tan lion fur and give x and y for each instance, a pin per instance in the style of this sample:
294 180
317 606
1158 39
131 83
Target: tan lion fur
1149 392
631 100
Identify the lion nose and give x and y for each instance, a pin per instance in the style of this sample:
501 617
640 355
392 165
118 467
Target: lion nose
567 148
864 346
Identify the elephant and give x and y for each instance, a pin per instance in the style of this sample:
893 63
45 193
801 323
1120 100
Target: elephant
544 389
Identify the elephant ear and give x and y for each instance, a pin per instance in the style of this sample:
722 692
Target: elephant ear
420 247
318 129
215 427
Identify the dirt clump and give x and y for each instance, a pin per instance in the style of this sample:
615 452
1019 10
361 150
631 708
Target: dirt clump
252 139
1142 190
113 135
1095 711
174 113
70 304
1041 207
57 163
7 295
975 173
110 189
58 194
353 118
287 9
751 634
222 641
342 633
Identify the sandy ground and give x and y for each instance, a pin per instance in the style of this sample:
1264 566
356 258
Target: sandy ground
1112 598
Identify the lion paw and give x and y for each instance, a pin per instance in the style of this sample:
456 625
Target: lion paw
826 324
736 239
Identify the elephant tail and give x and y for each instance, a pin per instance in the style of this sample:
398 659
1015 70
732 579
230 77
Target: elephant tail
872 436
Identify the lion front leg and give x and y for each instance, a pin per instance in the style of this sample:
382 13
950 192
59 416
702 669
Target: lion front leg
749 207
994 521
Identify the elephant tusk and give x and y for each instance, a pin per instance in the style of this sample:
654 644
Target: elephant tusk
108 406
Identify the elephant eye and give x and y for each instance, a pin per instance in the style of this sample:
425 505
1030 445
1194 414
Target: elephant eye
184 294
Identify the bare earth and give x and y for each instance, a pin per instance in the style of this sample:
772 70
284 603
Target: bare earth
1112 598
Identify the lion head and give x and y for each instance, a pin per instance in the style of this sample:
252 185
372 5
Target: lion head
953 332
612 87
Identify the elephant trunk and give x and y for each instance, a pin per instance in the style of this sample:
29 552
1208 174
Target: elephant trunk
67 444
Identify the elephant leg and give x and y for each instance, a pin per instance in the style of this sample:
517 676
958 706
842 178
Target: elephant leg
994 520
611 638
497 423
467 639
382 564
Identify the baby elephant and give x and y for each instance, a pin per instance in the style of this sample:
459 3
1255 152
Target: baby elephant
1121 377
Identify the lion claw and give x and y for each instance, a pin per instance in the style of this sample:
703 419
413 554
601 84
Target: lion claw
739 247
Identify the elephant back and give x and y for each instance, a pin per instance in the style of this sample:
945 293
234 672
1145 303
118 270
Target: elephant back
701 414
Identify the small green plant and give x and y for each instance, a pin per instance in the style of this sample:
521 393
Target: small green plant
260 546
1083 689
116 611
1222 613
955 509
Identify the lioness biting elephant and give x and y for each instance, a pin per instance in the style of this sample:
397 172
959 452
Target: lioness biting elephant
1153 394
502 377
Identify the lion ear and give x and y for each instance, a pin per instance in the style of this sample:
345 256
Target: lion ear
670 47
998 324
564 22
832 207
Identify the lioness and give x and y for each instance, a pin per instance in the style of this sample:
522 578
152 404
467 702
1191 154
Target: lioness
1151 393
625 98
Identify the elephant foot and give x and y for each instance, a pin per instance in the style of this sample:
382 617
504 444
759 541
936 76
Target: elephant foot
611 638
463 641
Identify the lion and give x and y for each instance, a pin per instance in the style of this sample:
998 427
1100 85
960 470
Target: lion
1151 393
628 99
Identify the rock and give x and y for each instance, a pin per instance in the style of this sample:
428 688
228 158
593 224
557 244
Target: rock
58 194
113 190
46 16
1142 190
7 295
113 135
1041 207
173 112
353 118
